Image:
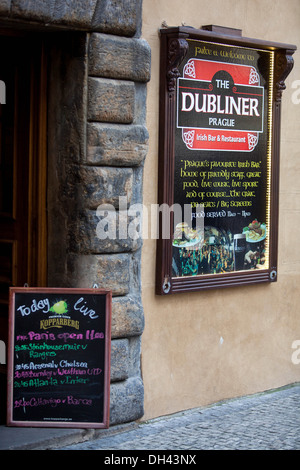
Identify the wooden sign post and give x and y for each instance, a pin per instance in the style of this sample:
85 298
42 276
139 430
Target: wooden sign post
59 357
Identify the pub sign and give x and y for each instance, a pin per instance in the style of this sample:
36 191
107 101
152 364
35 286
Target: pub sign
220 97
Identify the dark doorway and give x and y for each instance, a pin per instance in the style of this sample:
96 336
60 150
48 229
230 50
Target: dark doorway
23 172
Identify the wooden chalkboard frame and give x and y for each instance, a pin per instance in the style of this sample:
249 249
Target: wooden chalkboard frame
174 46
106 296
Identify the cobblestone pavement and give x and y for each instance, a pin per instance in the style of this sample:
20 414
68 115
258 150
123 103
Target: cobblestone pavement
267 421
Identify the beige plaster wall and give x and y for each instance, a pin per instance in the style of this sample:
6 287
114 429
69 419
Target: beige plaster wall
203 347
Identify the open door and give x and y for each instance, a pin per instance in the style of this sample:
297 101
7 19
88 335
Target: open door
23 165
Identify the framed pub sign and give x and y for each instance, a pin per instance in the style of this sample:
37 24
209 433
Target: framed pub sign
220 104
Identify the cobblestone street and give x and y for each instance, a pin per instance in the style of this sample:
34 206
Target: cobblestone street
267 421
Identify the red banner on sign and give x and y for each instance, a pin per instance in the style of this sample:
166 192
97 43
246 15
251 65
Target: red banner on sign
205 139
206 69
220 139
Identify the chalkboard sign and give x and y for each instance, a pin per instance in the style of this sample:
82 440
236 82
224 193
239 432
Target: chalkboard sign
220 97
59 357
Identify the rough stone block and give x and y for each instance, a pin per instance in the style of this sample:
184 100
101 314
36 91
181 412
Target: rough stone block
75 13
119 360
38 10
120 17
127 317
117 17
119 57
134 363
105 185
114 144
86 235
107 271
5 7
126 400
111 100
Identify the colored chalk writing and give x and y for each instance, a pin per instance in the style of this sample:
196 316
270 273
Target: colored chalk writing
59 357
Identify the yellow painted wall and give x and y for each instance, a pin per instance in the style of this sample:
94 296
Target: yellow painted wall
206 346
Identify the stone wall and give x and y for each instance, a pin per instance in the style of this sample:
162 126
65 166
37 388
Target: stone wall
121 17
99 68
